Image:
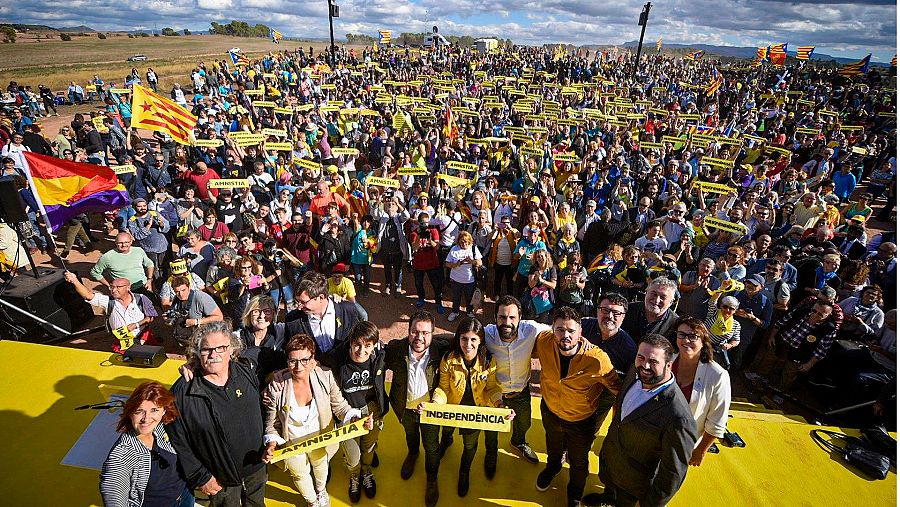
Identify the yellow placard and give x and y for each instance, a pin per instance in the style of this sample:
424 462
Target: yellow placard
453 181
807 131
274 132
852 127
859 150
322 439
412 171
264 103
98 124
689 117
719 162
531 152
461 166
123 169
279 146
119 90
208 143
253 93
565 156
125 336
783 151
714 188
307 163
724 225
650 144
382 182
465 416
345 151
229 183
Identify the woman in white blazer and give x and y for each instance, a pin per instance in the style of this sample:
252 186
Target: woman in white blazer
703 382
303 400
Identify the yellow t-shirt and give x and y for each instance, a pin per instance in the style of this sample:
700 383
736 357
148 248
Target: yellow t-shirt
345 288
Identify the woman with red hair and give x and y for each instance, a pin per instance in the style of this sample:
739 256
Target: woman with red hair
141 468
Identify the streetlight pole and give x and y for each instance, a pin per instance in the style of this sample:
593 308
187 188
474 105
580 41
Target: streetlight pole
332 13
642 21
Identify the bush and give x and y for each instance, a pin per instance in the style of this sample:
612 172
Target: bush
131 36
156 35
65 37
101 35
143 34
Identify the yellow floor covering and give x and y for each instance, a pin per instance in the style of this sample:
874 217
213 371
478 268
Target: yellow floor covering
780 465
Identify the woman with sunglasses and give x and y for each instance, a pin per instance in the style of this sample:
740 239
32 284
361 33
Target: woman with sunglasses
305 399
704 383
141 468
724 329
62 143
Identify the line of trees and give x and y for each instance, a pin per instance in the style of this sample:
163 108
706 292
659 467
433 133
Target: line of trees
239 29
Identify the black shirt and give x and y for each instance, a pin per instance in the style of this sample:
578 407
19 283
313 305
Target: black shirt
564 362
164 485
619 347
390 241
241 434
468 397
358 382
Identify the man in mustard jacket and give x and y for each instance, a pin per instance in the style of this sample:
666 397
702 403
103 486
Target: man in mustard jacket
573 378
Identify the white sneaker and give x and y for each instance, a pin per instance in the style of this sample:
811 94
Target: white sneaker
452 316
323 498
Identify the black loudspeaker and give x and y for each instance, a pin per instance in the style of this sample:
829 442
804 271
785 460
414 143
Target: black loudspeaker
50 298
12 208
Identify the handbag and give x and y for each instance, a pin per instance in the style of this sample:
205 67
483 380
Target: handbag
540 298
855 452
879 440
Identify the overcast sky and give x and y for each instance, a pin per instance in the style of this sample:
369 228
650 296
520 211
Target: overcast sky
835 27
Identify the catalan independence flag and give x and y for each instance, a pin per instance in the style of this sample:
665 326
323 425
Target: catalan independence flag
384 37
804 52
154 112
715 82
894 61
695 55
451 131
275 35
856 68
239 59
64 188
659 44
778 49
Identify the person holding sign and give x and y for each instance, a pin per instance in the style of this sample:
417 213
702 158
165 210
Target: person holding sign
468 377
573 379
304 403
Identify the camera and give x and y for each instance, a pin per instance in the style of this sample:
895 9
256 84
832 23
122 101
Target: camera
177 318
190 255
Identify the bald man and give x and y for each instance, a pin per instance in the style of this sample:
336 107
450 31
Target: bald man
125 261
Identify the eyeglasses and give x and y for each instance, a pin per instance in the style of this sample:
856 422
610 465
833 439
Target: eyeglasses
687 337
208 351
303 361
119 286
257 311
605 310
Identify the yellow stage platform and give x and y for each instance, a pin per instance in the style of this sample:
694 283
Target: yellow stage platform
780 465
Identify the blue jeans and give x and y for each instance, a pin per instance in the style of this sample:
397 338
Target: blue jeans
288 290
362 275
186 499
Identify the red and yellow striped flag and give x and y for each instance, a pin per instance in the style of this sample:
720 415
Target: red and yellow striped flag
894 61
154 112
804 52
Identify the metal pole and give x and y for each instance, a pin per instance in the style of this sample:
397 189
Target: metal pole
331 30
643 22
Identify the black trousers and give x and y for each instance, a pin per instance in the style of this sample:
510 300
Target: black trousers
521 403
576 439
502 273
429 435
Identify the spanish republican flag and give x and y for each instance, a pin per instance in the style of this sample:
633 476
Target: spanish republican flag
154 112
64 188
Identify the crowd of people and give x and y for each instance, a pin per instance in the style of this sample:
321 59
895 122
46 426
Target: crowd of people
641 236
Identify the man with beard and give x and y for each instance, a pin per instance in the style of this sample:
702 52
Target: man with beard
573 380
415 363
511 342
645 454
654 314
149 229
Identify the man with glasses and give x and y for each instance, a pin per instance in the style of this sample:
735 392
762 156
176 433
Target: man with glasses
219 434
788 273
192 306
149 229
415 363
156 176
676 223
318 315
605 331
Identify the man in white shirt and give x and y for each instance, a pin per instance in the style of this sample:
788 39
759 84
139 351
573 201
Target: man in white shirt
15 150
511 342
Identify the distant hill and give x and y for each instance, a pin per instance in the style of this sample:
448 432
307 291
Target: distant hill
79 29
745 52
24 28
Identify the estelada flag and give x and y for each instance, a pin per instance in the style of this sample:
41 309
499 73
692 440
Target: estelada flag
64 188
154 112
804 52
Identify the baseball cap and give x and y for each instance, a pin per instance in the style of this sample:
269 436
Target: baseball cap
757 280
340 267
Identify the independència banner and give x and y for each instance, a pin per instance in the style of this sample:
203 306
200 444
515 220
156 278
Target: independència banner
464 416
321 439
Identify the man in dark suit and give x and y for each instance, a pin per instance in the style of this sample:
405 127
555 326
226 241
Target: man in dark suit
642 214
851 245
317 315
644 458
415 362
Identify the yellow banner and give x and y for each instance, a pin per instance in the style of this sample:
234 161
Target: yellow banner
98 124
307 163
383 182
412 171
461 166
264 103
724 225
565 157
859 150
344 151
531 152
123 169
125 336
649 144
720 162
229 183
119 90
807 131
321 439
275 132
714 188
279 146
464 416
208 143
453 181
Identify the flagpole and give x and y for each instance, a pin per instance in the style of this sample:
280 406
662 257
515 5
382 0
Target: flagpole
40 203
642 20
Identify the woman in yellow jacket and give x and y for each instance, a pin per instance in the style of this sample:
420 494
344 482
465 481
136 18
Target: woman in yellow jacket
468 377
